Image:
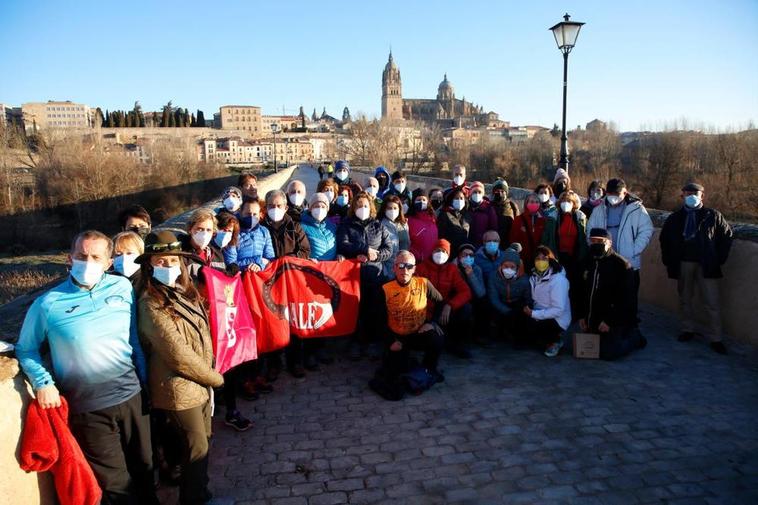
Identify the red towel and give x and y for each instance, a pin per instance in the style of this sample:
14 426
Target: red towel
47 444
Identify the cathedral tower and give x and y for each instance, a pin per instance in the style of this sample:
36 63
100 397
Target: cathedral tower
392 91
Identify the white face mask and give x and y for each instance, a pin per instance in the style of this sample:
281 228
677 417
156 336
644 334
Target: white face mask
167 275
458 180
543 197
476 197
318 213
440 257
597 195
362 213
421 205
459 203
509 273
202 238
296 199
392 214
232 203
87 273
125 264
567 207
405 208
400 187
276 214
372 190
342 175
613 200
329 195
223 238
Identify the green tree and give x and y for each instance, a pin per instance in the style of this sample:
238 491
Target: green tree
200 119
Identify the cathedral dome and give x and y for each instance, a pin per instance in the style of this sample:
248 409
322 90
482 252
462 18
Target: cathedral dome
445 90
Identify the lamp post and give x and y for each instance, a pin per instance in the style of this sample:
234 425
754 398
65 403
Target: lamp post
566 32
274 130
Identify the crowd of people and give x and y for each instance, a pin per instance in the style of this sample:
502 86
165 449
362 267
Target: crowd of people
441 270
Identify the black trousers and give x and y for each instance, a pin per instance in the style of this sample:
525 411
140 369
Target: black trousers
460 326
636 298
430 342
541 333
618 342
193 428
116 443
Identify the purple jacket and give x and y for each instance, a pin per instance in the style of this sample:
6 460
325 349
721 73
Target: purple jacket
482 218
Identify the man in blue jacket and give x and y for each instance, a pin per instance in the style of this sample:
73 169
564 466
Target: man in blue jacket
89 323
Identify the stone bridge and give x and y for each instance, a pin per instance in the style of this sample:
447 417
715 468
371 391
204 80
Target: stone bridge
672 424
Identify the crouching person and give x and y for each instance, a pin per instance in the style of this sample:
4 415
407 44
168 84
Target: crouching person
174 329
404 303
607 298
509 292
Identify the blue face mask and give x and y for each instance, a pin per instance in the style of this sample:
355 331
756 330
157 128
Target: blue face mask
491 247
342 200
248 222
467 261
691 201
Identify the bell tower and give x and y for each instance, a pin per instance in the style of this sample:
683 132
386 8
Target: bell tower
392 91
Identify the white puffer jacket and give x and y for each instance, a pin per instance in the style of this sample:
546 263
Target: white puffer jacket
551 298
635 229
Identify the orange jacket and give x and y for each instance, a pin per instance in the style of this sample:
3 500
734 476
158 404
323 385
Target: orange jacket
448 281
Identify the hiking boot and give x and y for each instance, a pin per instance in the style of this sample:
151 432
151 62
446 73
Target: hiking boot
248 391
297 371
686 336
324 356
311 363
262 386
718 347
236 421
553 349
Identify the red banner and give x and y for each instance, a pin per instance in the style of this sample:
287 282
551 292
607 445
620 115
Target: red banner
232 327
310 299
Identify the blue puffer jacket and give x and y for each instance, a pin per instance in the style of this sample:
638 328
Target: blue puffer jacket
354 237
399 241
487 264
253 246
322 237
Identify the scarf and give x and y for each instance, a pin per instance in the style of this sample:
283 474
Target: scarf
690 222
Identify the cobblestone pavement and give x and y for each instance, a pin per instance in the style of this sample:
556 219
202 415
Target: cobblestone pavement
674 423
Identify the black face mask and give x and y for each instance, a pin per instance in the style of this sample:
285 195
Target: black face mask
559 188
598 250
499 197
142 231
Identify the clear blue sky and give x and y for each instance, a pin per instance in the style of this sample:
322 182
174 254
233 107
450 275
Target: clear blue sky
641 64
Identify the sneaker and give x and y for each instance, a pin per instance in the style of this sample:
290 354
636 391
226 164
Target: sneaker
236 421
553 349
262 386
718 347
686 336
354 352
311 363
297 371
248 392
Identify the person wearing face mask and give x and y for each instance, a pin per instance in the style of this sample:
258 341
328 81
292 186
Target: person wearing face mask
453 222
339 209
454 313
595 194
436 199
545 196
362 236
481 214
135 218
174 328
342 173
88 322
695 243
472 273
606 287
382 176
296 199
505 209
393 218
201 228
248 183
329 188
527 230
629 224
399 188
422 228
549 314
508 291
567 236
254 246
372 188
489 255
127 245
458 183
561 183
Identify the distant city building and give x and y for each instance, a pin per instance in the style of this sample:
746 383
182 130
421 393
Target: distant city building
235 150
242 117
51 114
283 124
596 124
445 110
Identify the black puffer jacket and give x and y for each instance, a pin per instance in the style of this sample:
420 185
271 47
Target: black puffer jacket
454 225
714 236
355 237
607 292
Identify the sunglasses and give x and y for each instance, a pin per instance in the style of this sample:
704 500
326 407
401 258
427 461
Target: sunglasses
173 246
406 266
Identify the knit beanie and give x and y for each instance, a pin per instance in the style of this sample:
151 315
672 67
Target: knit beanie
561 174
463 247
500 184
512 254
477 184
320 197
442 244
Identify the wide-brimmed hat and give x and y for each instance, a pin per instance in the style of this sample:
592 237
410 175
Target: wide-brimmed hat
164 243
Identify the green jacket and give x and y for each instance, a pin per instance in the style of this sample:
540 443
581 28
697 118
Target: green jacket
551 239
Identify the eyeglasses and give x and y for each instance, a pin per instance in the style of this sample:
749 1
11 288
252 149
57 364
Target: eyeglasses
173 246
406 266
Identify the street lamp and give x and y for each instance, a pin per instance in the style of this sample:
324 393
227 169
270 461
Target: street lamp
566 32
274 130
